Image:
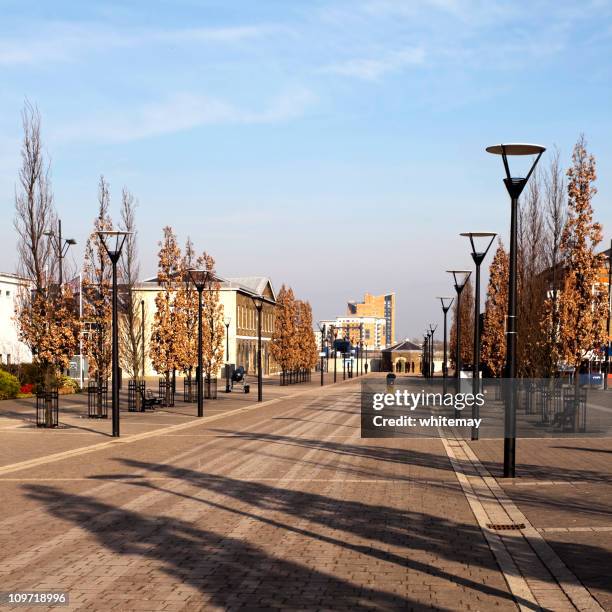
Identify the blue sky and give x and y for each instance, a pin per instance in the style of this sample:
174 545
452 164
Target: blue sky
334 145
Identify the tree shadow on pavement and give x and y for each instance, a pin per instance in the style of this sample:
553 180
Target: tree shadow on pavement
230 571
346 524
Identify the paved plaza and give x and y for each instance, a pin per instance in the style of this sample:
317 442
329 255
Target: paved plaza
282 505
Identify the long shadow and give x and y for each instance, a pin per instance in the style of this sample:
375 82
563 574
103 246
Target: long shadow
583 448
430 460
415 457
285 418
378 453
383 525
215 565
414 531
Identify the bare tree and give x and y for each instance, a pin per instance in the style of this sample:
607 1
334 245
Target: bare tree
34 210
531 281
131 339
555 217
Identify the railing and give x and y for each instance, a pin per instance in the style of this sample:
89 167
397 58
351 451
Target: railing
97 400
136 391
47 408
166 393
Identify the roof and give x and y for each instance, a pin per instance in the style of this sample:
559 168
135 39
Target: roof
252 285
404 345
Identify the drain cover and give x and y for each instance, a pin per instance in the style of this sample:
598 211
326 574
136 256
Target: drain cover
505 526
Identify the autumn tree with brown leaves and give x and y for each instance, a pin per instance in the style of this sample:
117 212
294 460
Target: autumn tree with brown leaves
46 313
97 298
582 302
283 346
305 338
166 337
212 314
467 327
186 303
493 337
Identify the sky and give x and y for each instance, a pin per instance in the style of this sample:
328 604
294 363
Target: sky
336 146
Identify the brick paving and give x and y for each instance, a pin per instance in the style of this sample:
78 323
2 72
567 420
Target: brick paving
282 506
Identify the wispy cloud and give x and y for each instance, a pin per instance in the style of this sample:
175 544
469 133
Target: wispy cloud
63 42
181 112
374 68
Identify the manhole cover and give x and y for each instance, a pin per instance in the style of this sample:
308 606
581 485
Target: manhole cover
506 526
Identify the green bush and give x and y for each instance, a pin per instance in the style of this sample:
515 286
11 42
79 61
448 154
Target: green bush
66 385
9 385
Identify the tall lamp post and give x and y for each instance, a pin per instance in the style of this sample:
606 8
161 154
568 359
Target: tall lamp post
446 302
142 334
61 246
432 329
227 322
258 301
322 352
481 243
460 278
113 243
200 278
514 186
608 347
335 354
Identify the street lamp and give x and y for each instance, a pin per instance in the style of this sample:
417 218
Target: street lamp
608 347
322 330
200 278
514 186
113 241
142 333
61 246
258 301
460 278
425 367
227 321
446 302
481 243
432 329
335 353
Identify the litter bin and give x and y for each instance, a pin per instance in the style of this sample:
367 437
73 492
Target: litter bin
390 382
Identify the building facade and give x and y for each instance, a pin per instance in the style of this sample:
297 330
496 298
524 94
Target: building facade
12 350
377 307
369 330
240 318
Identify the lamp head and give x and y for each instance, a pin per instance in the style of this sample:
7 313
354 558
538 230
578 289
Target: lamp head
481 243
113 241
460 278
515 185
199 277
446 301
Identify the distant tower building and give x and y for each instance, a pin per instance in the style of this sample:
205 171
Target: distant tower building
379 307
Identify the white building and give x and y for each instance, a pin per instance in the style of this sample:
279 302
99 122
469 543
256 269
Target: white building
12 350
369 330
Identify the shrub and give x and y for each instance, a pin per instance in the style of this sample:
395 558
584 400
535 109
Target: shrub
27 389
66 385
9 385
